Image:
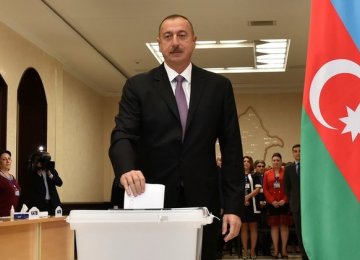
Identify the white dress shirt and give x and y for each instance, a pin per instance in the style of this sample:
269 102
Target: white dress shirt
186 83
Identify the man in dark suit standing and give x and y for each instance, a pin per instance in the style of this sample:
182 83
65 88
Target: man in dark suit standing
42 181
166 131
292 190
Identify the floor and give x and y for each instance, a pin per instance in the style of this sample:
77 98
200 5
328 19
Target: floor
235 257
293 253
264 239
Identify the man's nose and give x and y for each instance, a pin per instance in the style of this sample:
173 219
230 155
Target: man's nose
175 40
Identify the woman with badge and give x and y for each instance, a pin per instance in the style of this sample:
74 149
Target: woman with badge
251 209
279 217
9 187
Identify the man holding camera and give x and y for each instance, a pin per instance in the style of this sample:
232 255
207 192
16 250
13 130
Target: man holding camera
43 179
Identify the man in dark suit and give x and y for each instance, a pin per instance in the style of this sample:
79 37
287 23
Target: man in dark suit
43 180
155 142
292 190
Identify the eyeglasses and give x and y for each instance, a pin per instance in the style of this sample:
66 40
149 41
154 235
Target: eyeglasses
260 166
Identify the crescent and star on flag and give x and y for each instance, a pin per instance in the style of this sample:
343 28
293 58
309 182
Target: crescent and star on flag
326 72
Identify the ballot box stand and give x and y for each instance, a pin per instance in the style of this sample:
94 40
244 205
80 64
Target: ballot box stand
156 234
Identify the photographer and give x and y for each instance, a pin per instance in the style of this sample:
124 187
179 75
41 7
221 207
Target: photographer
43 179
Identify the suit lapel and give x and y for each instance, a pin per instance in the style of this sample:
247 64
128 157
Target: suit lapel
163 87
197 88
295 175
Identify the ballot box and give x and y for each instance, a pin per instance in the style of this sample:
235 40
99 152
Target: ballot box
155 234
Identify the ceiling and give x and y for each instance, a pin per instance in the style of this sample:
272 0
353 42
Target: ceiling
102 42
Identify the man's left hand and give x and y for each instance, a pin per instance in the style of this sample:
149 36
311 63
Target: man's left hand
231 223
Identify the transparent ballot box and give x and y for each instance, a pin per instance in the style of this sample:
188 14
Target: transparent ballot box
154 234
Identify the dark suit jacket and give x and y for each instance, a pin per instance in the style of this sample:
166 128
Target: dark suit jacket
148 135
292 187
35 196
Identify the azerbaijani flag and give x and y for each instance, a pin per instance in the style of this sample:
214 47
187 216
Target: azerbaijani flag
330 133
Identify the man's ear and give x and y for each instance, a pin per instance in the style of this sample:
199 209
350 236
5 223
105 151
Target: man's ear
158 41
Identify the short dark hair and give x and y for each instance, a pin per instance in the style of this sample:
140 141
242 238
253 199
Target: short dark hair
174 16
5 151
258 162
276 155
295 146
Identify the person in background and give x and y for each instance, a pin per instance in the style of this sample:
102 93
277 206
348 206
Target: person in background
259 170
264 238
292 190
43 180
279 217
252 209
218 164
168 123
9 187
221 243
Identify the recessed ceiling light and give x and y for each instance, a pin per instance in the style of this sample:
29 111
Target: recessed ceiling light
270 54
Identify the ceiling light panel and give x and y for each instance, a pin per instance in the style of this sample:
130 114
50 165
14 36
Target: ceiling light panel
269 55
227 57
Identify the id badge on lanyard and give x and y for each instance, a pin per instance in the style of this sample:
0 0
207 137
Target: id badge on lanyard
277 183
247 185
17 191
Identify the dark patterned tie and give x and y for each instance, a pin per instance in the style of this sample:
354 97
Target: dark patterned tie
298 168
181 102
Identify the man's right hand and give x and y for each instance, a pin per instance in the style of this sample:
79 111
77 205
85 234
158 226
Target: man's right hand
133 182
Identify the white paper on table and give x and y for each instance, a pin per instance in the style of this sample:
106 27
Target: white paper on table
152 198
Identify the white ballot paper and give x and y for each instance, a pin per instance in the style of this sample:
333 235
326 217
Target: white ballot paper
152 198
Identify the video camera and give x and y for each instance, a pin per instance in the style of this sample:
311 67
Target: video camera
44 159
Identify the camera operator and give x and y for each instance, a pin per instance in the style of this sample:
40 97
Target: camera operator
43 179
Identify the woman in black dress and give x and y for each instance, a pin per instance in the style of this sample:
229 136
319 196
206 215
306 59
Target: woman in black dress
251 209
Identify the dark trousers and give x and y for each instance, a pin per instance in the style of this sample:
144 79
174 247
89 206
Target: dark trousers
210 233
210 240
48 206
264 236
297 222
